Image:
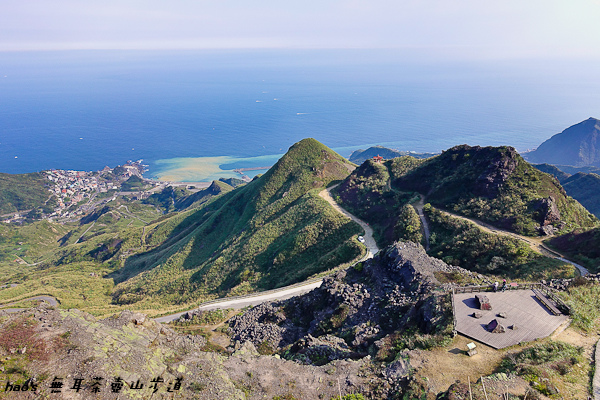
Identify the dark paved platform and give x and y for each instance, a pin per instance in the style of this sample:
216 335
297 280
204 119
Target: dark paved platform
532 318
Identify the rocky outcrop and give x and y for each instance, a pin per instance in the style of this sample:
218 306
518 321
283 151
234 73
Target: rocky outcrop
50 345
489 183
362 304
547 211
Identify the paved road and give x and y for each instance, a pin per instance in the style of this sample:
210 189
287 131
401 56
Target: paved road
51 300
289 291
370 243
252 300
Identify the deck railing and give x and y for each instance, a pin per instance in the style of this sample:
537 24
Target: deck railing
548 291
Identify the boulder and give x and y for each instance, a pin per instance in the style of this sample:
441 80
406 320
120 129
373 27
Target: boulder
483 301
496 327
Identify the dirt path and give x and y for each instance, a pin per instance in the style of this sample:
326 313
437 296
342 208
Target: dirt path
534 243
442 366
370 243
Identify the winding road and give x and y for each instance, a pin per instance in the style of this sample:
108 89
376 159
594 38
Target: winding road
370 243
257 298
288 291
49 299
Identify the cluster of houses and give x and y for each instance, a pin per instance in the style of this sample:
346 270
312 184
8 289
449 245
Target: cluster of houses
72 187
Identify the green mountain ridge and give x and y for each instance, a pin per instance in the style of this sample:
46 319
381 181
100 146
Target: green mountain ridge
271 232
492 184
495 185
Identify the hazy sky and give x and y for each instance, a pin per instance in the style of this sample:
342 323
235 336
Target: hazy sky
507 28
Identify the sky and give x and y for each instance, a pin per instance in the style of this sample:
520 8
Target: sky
466 28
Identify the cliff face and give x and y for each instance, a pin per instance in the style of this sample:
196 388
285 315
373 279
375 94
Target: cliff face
577 145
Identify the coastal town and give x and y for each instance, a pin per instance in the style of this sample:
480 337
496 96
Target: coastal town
75 193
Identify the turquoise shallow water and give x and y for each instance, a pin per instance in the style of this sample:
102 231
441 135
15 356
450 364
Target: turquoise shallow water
88 109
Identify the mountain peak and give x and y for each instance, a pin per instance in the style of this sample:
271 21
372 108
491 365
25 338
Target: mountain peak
577 145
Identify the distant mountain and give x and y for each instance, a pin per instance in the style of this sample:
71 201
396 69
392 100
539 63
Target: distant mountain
552 170
232 181
577 145
216 188
359 156
585 188
569 169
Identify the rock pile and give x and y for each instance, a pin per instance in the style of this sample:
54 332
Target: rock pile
362 305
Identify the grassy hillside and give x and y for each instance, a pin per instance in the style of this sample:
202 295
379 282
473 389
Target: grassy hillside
464 244
132 184
367 194
493 184
271 232
197 199
22 192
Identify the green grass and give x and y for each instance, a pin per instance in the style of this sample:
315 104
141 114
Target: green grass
134 183
547 366
31 242
22 192
584 301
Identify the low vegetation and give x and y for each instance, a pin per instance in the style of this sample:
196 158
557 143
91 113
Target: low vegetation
493 184
584 300
367 194
272 232
544 366
464 244
23 192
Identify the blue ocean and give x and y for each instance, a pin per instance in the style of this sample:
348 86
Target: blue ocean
84 110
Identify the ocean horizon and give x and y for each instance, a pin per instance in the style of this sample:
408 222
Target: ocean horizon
204 113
